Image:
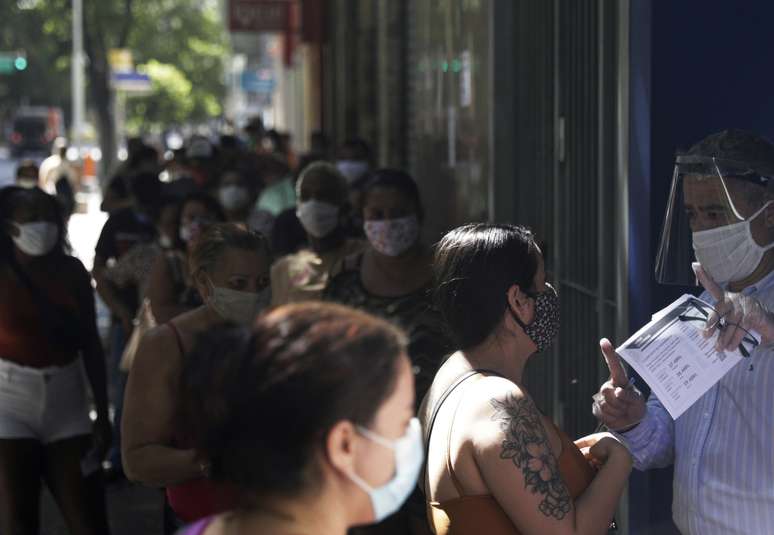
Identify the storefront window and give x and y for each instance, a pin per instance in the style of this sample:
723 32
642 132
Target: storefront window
449 144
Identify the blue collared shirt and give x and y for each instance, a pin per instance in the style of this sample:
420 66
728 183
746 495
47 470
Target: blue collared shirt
721 448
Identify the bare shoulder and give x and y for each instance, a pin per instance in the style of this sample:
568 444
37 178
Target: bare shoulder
503 410
494 394
157 353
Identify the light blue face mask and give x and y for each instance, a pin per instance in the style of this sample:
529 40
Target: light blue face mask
409 457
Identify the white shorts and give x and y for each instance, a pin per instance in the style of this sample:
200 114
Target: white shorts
45 404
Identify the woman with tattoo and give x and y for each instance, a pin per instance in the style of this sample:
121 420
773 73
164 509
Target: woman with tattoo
496 465
310 415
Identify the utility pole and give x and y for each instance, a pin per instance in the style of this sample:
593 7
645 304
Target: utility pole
78 94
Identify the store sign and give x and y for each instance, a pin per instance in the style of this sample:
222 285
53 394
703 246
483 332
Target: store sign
131 82
258 15
258 82
120 60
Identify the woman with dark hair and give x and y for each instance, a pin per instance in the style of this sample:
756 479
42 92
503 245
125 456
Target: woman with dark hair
48 332
170 289
496 465
392 278
230 268
310 415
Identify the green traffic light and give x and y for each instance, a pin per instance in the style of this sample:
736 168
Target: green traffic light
20 63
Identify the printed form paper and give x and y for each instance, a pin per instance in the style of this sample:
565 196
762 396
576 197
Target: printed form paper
671 354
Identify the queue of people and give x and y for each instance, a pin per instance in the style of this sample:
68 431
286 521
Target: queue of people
358 379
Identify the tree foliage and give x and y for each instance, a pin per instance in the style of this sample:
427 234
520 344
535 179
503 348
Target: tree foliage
181 43
169 102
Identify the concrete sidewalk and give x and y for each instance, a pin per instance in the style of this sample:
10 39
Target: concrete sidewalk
132 510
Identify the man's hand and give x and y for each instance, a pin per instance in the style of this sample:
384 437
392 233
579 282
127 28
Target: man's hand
735 315
618 404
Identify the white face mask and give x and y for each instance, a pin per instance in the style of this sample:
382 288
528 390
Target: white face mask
318 218
233 197
352 169
37 238
392 237
237 306
729 253
409 457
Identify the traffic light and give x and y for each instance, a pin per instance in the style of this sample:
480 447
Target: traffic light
13 61
20 62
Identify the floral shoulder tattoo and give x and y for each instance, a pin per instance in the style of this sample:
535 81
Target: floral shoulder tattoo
526 445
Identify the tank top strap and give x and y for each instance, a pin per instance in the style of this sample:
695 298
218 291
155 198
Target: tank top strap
178 338
449 466
434 414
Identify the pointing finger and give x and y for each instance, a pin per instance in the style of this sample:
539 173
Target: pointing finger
617 371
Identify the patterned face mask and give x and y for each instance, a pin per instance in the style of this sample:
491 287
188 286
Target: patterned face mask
392 237
545 326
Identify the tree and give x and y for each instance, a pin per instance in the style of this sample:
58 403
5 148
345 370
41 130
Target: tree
170 101
186 35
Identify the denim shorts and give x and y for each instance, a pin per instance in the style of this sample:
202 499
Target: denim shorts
45 404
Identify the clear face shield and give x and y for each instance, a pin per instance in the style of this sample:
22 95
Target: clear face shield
709 218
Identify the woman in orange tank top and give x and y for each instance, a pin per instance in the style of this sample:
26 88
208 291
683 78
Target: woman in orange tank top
495 464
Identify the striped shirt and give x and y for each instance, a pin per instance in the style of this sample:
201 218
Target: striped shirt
721 448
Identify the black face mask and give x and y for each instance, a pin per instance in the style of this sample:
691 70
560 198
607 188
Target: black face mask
545 327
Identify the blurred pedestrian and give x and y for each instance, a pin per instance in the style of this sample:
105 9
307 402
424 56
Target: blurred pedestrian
123 230
57 167
323 211
310 415
355 160
230 151
171 290
254 131
319 149
237 196
47 319
230 268
202 161
142 160
27 174
278 192
496 465
134 268
392 277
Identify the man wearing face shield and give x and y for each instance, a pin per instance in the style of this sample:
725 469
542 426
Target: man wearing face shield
719 230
